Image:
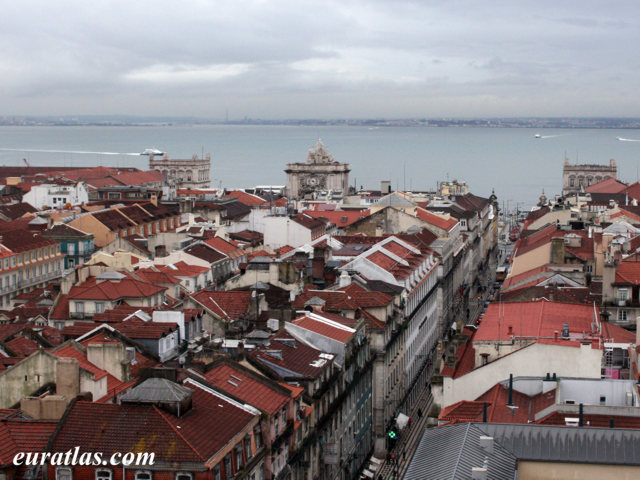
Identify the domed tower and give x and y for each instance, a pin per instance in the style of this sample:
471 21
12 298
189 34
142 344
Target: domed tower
493 199
542 200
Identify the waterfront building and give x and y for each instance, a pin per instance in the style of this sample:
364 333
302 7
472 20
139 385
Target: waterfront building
577 177
191 173
320 173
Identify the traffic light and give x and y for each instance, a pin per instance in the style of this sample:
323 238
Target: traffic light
393 435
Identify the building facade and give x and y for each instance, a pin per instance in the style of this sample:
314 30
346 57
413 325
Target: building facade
320 173
575 177
193 173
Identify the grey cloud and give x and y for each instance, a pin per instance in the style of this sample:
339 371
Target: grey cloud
327 58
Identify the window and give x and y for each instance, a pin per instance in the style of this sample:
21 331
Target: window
79 307
216 472
622 316
143 475
99 307
184 476
623 294
71 249
257 433
104 474
64 473
238 453
228 472
247 446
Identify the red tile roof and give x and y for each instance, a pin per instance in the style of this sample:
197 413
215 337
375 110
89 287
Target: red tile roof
23 240
108 428
633 191
20 435
541 319
350 297
535 240
328 325
244 197
182 269
497 410
61 311
205 253
212 422
628 272
228 305
609 185
225 247
128 287
156 278
23 346
308 221
75 350
436 220
290 358
340 218
248 387
530 277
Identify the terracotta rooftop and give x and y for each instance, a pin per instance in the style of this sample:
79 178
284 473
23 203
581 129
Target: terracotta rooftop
541 319
205 252
228 305
328 325
21 435
127 287
497 410
249 387
609 185
339 218
628 272
291 359
445 224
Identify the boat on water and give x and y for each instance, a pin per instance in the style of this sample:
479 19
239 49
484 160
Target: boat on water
152 152
537 135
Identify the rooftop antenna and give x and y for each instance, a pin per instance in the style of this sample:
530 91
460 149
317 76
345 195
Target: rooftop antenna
404 176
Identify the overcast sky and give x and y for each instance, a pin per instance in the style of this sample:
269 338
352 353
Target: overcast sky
320 59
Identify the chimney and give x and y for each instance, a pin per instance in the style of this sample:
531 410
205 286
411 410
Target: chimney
67 377
479 473
510 331
510 402
557 250
555 335
486 443
581 416
240 351
111 357
345 279
484 413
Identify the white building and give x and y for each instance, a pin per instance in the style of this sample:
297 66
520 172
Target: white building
57 195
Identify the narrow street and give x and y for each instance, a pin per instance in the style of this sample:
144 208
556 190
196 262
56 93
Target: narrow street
408 442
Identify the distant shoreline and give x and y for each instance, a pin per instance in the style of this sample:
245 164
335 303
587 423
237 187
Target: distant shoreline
534 122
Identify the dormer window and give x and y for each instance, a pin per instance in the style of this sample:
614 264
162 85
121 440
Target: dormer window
143 475
64 473
104 474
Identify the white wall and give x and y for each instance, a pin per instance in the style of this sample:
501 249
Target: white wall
535 360
281 231
41 195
